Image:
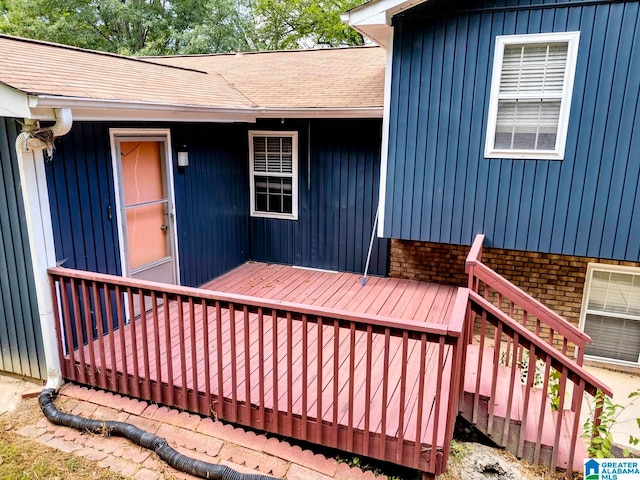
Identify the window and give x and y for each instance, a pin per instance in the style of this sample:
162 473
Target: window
611 312
531 95
274 174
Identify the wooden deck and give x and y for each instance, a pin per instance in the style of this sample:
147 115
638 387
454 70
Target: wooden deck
331 381
380 370
387 297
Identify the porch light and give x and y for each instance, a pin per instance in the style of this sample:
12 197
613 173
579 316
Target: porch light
183 156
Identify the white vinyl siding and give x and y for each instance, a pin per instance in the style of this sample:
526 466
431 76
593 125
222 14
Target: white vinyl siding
611 313
531 95
274 181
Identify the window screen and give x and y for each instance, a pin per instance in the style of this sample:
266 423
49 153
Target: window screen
273 167
612 315
530 70
529 98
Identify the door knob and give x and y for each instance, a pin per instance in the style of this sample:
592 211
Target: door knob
164 228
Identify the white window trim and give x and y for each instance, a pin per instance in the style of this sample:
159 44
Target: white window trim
294 183
602 267
572 38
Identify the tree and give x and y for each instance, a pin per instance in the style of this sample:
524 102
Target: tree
165 27
134 27
286 24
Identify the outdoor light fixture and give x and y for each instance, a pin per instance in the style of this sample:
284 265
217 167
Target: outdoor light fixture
183 156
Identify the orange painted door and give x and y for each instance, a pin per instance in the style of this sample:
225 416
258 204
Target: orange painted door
147 211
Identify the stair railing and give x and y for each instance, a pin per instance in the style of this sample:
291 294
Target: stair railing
543 350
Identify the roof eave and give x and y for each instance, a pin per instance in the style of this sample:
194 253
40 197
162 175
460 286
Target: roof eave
88 109
105 109
15 103
320 112
373 19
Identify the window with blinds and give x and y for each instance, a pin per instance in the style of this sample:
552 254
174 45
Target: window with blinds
611 312
531 95
273 159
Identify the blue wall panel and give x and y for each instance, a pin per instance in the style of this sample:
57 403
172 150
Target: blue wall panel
215 232
21 347
337 208
211 200
440 188
81 195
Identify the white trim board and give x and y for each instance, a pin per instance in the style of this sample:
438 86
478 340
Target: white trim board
142 134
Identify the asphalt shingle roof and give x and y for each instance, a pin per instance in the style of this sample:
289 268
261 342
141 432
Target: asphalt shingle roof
324 78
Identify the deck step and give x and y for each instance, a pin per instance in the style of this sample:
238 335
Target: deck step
508 434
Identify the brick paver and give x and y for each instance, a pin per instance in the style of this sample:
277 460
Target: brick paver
197 437
298 472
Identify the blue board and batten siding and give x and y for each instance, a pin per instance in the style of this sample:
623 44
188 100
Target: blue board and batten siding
338 196
211 206
440 188
215 230
21 347
212 202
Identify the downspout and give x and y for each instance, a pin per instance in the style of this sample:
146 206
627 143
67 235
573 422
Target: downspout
30 145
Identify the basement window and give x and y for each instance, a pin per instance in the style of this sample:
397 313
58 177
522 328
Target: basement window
611 313
273 158
531 88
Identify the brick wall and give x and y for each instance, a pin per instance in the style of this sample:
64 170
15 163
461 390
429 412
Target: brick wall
555 280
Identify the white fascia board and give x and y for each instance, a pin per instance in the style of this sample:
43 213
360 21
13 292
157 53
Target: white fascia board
14 103
370 11
356 112
100 109
373 19
109 110
384 149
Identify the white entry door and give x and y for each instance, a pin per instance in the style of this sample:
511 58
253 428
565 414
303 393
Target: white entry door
146 213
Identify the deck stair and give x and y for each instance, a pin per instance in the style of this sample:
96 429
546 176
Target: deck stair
528 442
523 380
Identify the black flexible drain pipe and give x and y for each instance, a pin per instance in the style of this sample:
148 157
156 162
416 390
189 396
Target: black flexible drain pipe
145 439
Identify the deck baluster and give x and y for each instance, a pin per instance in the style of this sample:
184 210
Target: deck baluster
145 346
207 356
113 377
169 355
246 334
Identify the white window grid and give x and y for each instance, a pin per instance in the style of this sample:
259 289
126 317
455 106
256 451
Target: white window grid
553 91
276 169
627 309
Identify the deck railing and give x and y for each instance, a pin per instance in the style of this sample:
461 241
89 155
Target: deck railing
539 352
370 385
513 301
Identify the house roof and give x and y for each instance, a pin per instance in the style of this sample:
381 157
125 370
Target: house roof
322 78
36 77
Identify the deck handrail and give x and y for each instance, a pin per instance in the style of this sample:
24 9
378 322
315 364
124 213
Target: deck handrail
538 349
477 270
235 355
552 349
212 295
592 384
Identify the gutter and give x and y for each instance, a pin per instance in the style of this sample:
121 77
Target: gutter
102 109
29 148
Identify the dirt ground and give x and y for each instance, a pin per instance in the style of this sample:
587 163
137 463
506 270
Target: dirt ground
25 459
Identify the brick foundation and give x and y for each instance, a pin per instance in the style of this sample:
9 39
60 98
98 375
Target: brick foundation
555 280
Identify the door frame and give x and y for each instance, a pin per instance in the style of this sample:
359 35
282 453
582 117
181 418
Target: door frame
142 134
